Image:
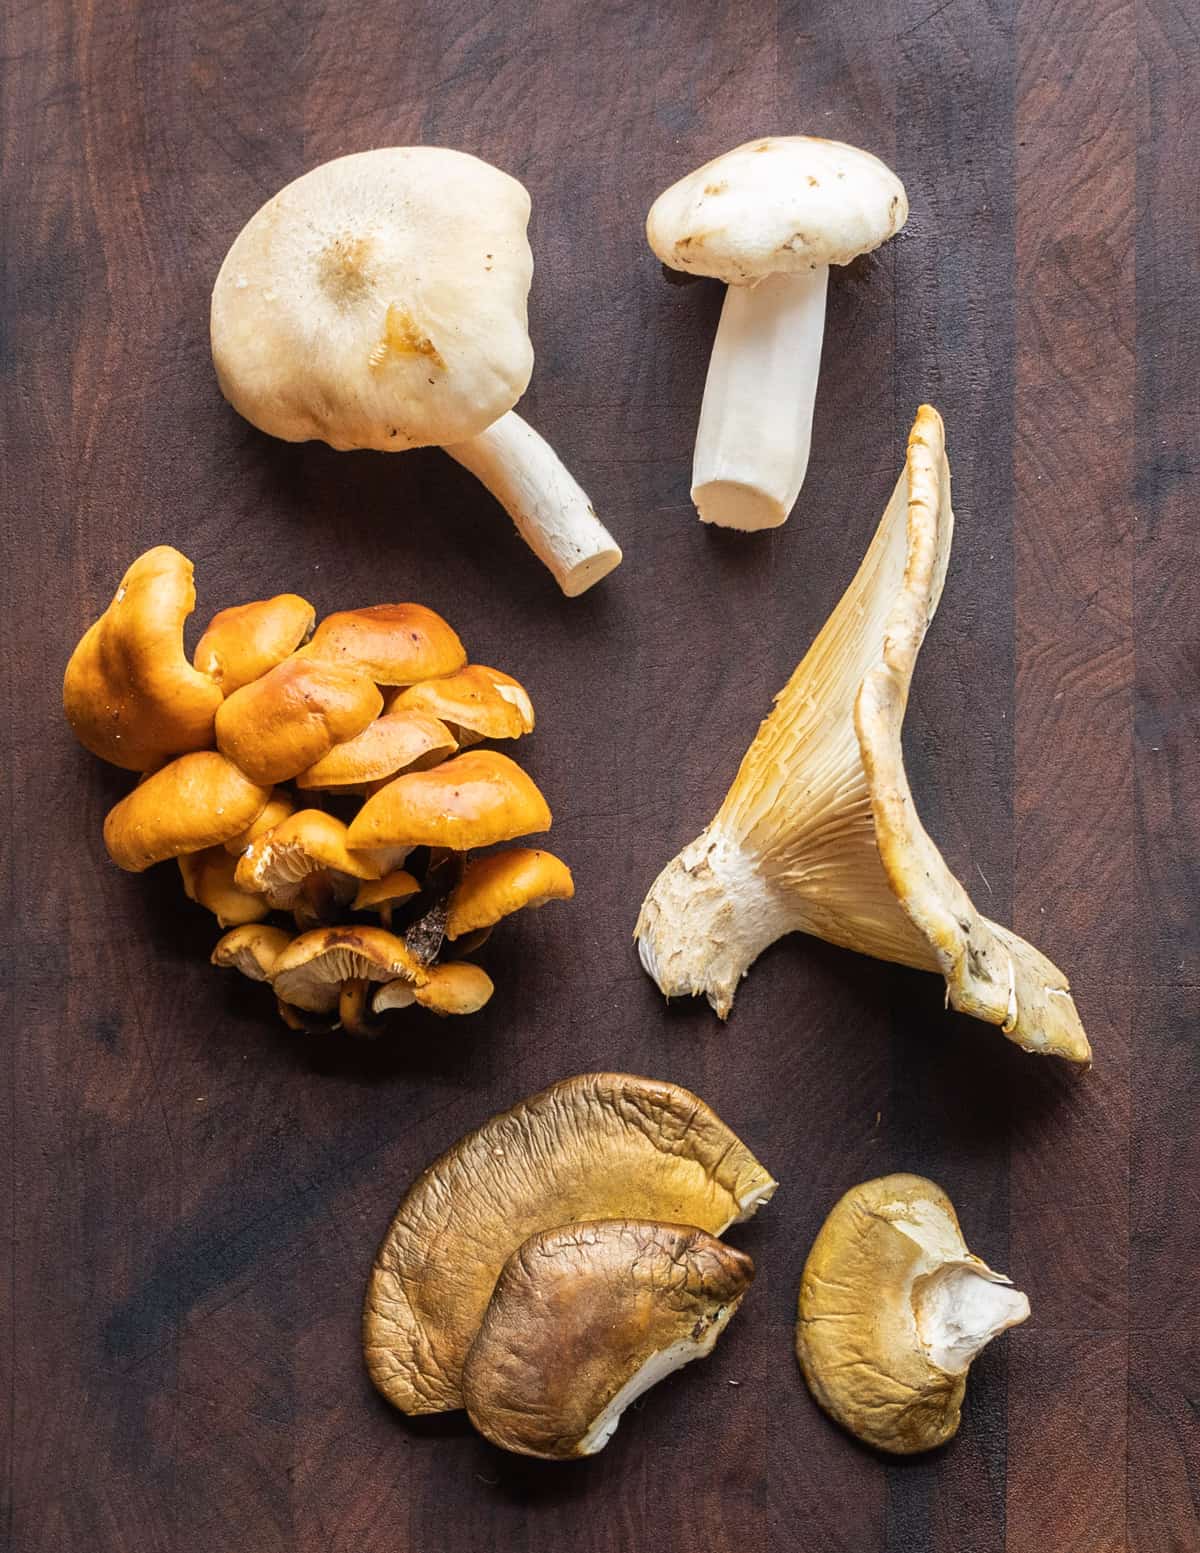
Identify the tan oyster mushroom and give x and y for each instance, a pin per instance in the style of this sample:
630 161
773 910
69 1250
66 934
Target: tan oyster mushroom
252 950
893 1309
197 801
208 879
474 800
303 865
129 693
768 219
495 886
395 742
819 834
584 1319
598 1146
245 641
476 702
282 723
379 301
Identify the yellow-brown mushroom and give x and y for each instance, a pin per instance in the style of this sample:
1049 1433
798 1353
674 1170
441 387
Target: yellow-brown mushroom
197 801
279 725
244 642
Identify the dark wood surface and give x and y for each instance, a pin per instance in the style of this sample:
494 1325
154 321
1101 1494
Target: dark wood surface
194 1196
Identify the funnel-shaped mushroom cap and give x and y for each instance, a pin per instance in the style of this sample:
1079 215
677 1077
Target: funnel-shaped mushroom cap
308 842
454 988
395 742
245 641
393 644
584 1319
495 886
279 806
208 879
284 722
893 1309
252 950
786 203
129 693
310 971
474 800
197 801
472 699
599 1146
410 267
819 833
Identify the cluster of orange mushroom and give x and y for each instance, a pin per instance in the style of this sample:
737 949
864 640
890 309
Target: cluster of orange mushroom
372 713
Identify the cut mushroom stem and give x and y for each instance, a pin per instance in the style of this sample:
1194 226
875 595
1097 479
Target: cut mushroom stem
755 428
550 509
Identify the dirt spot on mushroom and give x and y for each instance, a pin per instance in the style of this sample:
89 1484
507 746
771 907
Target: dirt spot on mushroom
342 268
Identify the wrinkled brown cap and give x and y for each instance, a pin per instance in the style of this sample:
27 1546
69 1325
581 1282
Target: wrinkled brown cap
129 693
393 644
473 800
284 722
599 1146
398 741
197 801
495 886
585 1318
245 641
472 700
310 971
208 879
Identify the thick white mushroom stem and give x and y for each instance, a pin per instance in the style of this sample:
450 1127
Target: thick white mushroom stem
959 1309
755 428
549 507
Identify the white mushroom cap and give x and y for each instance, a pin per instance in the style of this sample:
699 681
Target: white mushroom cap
780 205
379 302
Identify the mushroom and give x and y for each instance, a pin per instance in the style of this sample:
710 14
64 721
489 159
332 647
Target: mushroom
329 969
129 693
768 218
382 894
199 800
893 1308
379 301
395 742
245 641
452 988
584 1319
304 866
279 807
208 879
819 834
251 950
598 1146
285 721
393 644
473 800
495 886
474 702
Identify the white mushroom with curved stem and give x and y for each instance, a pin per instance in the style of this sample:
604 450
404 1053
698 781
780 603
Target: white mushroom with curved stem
379 301
768 218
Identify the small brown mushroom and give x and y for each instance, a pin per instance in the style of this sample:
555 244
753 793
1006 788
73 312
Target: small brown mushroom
199 800
313 970
495 886
393 644
252 950
208 879
473 800
473 702
304 866
244 642
279 725
395 742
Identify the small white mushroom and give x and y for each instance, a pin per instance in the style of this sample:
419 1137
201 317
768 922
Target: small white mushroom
768 218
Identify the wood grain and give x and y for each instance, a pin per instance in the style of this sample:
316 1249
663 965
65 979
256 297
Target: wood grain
192 1198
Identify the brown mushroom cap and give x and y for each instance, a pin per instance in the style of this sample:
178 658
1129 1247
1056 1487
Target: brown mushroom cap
395 742
247 640
584 1318
399 885
495 886
310 971
252 950
473 800
598 1146
129 693
308 842
455 988
284 722
394 644
208 879
279 806
470 700
199 800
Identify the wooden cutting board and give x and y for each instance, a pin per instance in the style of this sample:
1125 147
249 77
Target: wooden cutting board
195 1195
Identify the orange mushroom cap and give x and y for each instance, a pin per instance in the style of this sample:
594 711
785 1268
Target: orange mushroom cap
395 742
395 644
311 970
473 699
199 800
247 640
208 879
279 806
472 801
281 724
129 693
277 863
503 882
